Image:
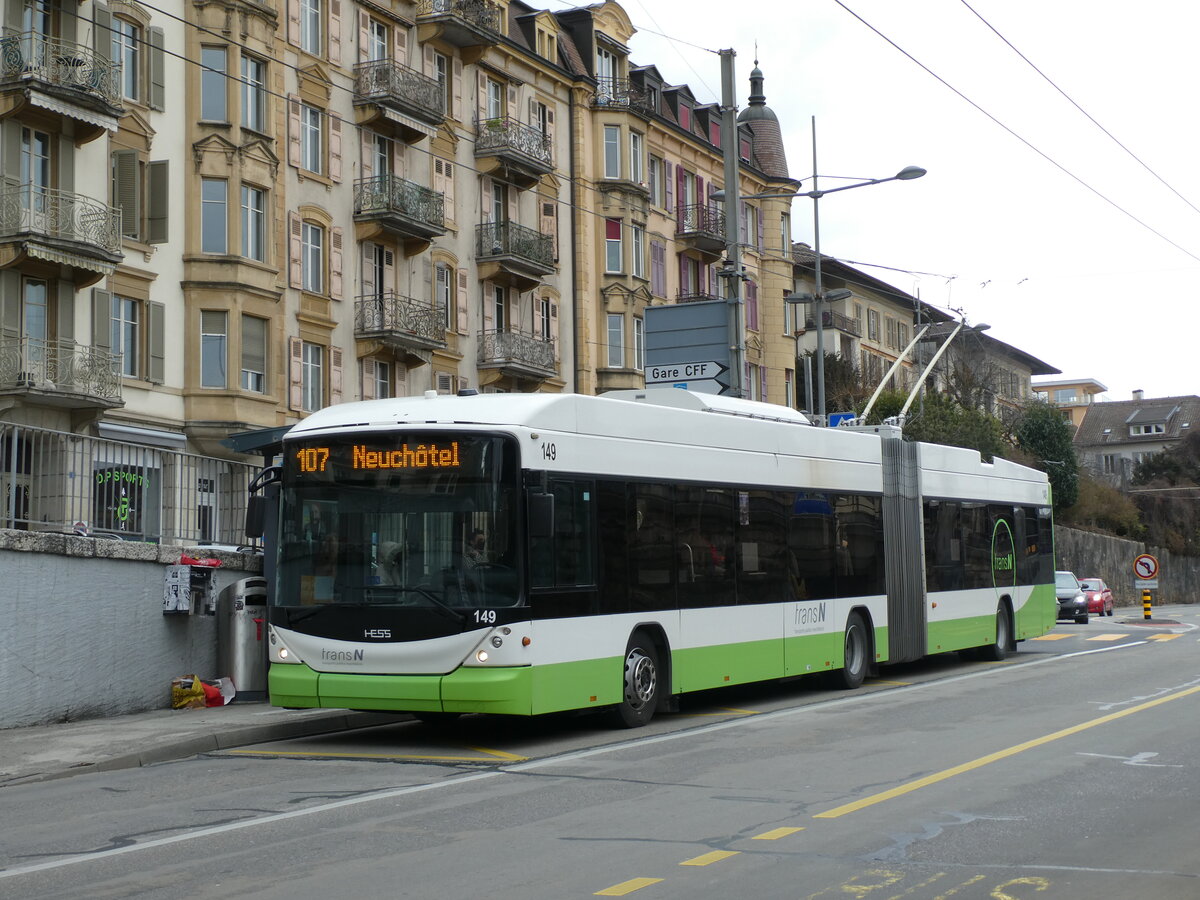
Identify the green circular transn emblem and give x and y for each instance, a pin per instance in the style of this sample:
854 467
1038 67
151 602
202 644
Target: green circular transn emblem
1004 556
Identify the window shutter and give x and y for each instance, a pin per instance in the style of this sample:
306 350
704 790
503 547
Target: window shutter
668 183
401 379
293 23
335 148
295 373
461 301
514 109
389 271
364 35
549 225
335 263
485 194
752 306
294 130
125 191
489 299
763 374
158 342
680 190
159 196
759 244
445 383
335 375
364 153
101 319
427 63
367 380
553 336
335 31
456 99
685 285
481 94
400 50
295 261
514 311
448 199
158 79
658 269
550 125
102 34
367 279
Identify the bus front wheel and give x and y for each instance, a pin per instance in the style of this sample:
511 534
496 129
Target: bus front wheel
997 651
640 686
857 647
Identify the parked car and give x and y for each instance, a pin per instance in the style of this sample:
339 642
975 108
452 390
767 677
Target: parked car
1099 597
1072 604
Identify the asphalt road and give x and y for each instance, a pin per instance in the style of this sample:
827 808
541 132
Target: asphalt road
1068 770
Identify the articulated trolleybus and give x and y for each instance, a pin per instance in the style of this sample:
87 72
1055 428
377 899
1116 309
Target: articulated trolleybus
532 553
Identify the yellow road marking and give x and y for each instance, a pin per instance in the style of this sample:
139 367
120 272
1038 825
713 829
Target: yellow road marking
881 681
298 754
1053 637
626 887
945 774
1161 637
500 754
775 834
708 859
1108 637
722 711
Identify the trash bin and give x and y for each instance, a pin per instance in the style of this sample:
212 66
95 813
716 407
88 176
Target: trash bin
242 637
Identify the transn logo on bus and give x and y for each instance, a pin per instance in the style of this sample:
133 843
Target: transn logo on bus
355 656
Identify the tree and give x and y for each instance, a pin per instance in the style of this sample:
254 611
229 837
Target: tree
1167 491
1101 507
1044 435
941 420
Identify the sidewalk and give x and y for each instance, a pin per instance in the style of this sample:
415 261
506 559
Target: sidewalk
42 752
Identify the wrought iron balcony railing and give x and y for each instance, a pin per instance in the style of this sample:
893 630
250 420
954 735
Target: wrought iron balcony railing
478 14
383 81
620 93
63 215
508 347
830 319
392 313
699 218
695 296
393 195
59 366
494 239
505 134
61 64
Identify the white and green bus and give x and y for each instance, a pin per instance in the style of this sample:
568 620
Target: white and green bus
533 553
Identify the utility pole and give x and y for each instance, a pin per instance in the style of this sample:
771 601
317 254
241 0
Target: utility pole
732 270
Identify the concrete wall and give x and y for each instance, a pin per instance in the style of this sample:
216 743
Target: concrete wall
1099 556
83 632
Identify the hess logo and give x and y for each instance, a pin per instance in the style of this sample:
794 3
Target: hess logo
377 633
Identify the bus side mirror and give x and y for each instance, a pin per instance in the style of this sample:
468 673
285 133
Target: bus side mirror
256 515
541 515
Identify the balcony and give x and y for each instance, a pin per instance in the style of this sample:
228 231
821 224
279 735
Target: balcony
836 321
516 355
59 227
403 209
59 373
691 296
414 105
511 254
469 25
62 78
406 326
620 93
701 228
512 151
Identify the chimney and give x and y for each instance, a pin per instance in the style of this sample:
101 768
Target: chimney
1139 395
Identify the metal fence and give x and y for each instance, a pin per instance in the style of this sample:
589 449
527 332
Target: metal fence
63 482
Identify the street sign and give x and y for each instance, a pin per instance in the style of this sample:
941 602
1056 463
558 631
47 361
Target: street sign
704 376
1145 566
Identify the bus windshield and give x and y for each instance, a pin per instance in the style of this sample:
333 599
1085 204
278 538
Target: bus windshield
400 520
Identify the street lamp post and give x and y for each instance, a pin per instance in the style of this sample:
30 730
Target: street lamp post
819 296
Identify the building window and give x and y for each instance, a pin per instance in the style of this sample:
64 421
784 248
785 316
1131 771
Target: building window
785 233
873 325
126 50
312 258
213 348
310 138
254 94
441 72
612 245
126 332
254 223
612 151
214 222
383 379
213 84
443 291
499 307
636 157
547 46
312 392
637 247
616 340
311 37
254 354
654 175
544 318
639 344
495 99
377 40
606 73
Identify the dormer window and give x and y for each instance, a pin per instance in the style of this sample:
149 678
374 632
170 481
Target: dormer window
547 45
685 116
1145 429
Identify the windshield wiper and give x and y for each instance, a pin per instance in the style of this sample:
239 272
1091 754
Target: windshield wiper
404 589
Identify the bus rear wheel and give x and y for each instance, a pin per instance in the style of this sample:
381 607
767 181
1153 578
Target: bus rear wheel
997 651
640 684
857 648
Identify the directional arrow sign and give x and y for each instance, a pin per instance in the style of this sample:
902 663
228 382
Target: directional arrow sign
690 372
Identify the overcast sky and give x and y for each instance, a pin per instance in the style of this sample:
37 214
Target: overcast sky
1031 218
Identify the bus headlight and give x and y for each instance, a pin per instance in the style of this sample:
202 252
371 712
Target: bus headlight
481 655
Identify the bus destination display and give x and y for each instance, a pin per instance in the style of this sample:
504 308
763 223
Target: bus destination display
365 457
